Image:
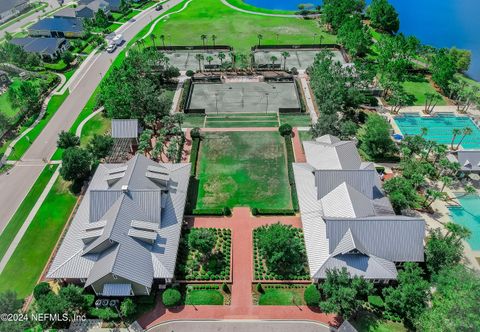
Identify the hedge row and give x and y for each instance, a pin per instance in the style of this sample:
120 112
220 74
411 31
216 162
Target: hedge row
178 159
186 91
272 212
194 155
303 108
213 212
291 177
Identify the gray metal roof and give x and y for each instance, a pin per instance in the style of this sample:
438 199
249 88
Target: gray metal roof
135 222
328 152
61 24
344 213
48 46
65 12
6 5
469 160
346 327
124 128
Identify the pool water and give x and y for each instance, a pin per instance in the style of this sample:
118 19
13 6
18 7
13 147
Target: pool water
440 129
468 216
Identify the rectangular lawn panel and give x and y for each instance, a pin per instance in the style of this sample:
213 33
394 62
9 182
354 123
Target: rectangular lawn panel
31 255
243 169
282 296
204 297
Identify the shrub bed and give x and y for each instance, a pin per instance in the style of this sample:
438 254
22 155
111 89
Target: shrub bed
212 212
194 155
262 271
186 91
171 297
272 212
291 177
212 263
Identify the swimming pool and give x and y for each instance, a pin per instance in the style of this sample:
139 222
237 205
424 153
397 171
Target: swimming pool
468 215
440 129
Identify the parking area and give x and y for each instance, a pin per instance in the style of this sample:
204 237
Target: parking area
300 59
252 97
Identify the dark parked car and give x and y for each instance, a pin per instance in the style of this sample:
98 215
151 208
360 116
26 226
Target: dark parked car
158 7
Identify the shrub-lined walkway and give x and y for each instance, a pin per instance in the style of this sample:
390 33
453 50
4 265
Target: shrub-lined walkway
241 224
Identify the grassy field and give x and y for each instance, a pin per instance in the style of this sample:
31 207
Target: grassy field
193 120
282 296
234 28
29 259
417 87
246 6
243 169
6 106
97 125
369 323
241 120
296 120
24 209
24 143
204 297
305 136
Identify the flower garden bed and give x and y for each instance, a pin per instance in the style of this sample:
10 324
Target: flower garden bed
261 269
213 265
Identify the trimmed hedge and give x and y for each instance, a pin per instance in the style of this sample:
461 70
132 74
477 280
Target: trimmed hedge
303 108
312 296
171 297
291 177
194 155
272 212
186 91
178 159
213 212
285 129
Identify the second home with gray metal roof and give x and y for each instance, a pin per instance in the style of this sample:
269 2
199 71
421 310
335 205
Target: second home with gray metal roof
124 238
348 222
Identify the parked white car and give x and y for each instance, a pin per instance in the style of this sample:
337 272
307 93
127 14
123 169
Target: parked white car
111 47
118 39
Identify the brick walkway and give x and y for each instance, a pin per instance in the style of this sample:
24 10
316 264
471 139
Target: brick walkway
242 224
298 148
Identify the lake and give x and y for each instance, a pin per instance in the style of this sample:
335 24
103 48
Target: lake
440 23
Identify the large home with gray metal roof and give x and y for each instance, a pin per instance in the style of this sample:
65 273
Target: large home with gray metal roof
124 238
50 48
348 222
57 27
469 160
12 8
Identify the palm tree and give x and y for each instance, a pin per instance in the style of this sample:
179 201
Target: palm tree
209 59
466 131
199 58
204 38
221 56
152 38
431 196
455 133
285 55
162 38
458 231
273 58
233 57
260 37
214 37
423 131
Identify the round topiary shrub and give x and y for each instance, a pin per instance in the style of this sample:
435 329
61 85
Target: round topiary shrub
294 71
312 296
195 133
171 297
285 129
41 290
190 73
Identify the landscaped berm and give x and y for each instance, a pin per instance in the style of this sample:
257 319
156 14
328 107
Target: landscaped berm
243 169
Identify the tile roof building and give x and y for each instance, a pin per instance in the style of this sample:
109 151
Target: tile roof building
347 220
124 237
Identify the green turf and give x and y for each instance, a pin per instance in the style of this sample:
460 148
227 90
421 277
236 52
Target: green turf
118 17
366 322
239 120
204 297
6 106
31 255
24 209
235 28
97 125
282 296
417 87
60 65
243 169
296 120
24 143
305 135
241 4
193 120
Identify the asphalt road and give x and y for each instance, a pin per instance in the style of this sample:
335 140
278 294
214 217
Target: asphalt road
15 185
240 326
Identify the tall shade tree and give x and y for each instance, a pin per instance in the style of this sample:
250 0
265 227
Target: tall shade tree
383 16
443 69
344 294
409 298
375 138
67 140
462 59
76 164
454 305
335 12
100 146
354 36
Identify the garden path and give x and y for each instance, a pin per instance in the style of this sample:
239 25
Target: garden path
241 224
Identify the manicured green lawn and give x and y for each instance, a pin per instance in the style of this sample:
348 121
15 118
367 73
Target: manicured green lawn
235 28
24 209
118 17
97 125
369 323
282 296
29 259
193 120
24 143
296 120
418 87
246 6
60 65
204 297
243 169
305 135
6 106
